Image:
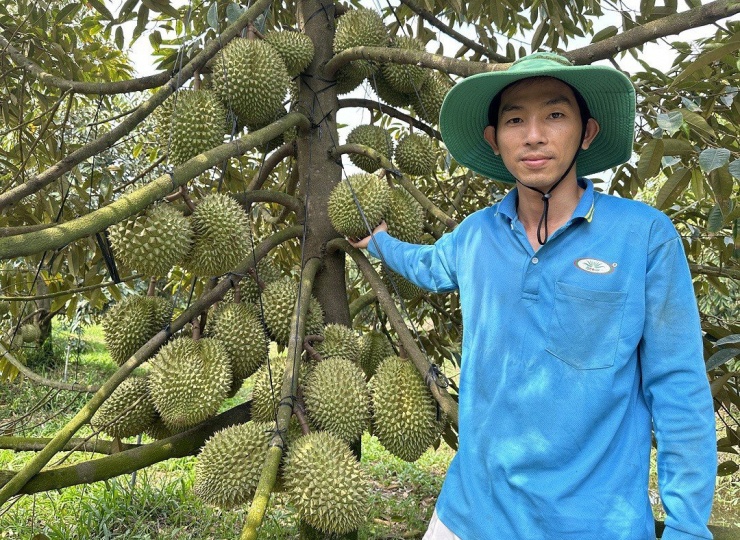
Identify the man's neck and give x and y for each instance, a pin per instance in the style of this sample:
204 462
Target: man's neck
563 201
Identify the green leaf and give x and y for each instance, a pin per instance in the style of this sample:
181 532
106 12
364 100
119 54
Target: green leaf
672 188
735 168
141 21
539 35
714 220
732 338
162 6
727 468
233 12
697 122
212 16
721 357
707 58
671 121
713 158
650 157
606 33
119 38
99 6
677 147
66 11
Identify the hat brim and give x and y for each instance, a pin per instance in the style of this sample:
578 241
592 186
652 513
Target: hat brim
609 94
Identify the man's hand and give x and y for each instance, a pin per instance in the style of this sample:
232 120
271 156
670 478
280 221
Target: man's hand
362 244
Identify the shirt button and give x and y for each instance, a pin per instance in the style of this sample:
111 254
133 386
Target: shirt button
535 260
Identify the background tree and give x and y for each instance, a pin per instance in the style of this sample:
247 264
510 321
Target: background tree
85 146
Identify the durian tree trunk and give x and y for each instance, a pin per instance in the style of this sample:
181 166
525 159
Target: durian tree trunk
43 317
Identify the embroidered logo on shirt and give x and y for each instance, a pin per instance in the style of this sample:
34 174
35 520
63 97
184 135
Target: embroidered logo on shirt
594 266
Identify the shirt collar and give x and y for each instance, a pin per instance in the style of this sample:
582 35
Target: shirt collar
584 209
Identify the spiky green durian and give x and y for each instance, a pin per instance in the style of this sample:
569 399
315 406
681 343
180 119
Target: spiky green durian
295 48
374 348
406 78
158 430
373 196
221 238
360 28
337 398
189 380
286 136
128 411
30 333
129 324
415 155
197 124
389 94
350 76
339 342
326 484
243 338
405 216
376 138
267 385
404 411
228 467
397 284
279 301
250 77
429 101
153 242
249 290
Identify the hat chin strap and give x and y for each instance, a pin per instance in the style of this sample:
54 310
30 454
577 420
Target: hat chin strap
546 196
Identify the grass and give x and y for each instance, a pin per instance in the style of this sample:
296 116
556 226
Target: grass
159 502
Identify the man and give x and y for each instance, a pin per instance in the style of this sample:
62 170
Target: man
581 331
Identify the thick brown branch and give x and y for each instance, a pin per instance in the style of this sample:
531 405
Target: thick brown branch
267 195
448 405
469 43
106 141
34 444
715 271
135 457
390 111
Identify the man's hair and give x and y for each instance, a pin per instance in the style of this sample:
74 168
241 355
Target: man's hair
496 103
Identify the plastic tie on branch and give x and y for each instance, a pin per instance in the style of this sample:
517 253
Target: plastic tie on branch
435 375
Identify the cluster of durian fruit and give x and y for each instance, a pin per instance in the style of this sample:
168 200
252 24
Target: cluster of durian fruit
349 385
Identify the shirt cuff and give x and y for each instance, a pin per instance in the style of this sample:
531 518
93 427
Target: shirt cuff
374 244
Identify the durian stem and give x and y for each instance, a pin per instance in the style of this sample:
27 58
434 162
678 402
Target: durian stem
448 405
83 416
288 392
313 353
361 303
422 199
152 287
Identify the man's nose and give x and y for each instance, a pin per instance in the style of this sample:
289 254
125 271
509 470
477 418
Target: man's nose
535 133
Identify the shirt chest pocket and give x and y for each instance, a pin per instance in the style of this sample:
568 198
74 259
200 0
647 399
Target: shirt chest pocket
585 326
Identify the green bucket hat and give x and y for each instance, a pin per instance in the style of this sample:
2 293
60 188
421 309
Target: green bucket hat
608 93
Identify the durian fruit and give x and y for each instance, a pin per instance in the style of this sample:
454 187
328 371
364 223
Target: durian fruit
406 78
189 380
404 411
266 394
287 136
360 27
249 290
250 78
415 155
374 348
129 324
349 77
153 242
326 484
128 411
376 138
229 466
337 398
30 333
221 239
278 302
243 338
389 94
431 95
397 284
295 48
339 342
197 124
405 216
159 430
373 196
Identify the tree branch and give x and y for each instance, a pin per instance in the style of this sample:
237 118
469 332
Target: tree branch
272 161
448 405
66 292
106 141
267 195
134 457
469 43
35 377
715 271
390 111
146 351
132 203
285 408
422 199
34 444
362 302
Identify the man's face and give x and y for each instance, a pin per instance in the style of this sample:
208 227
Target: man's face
539 129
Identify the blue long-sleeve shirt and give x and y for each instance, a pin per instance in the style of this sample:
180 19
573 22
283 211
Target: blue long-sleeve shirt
571 357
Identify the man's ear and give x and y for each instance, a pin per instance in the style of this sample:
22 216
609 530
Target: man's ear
592 130
489 134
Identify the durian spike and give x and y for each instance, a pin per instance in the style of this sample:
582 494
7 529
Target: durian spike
287 395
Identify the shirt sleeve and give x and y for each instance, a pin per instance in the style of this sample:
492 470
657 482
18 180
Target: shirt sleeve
677 391
430 267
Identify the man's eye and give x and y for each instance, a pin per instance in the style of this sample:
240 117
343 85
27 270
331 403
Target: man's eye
557 115
513 120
